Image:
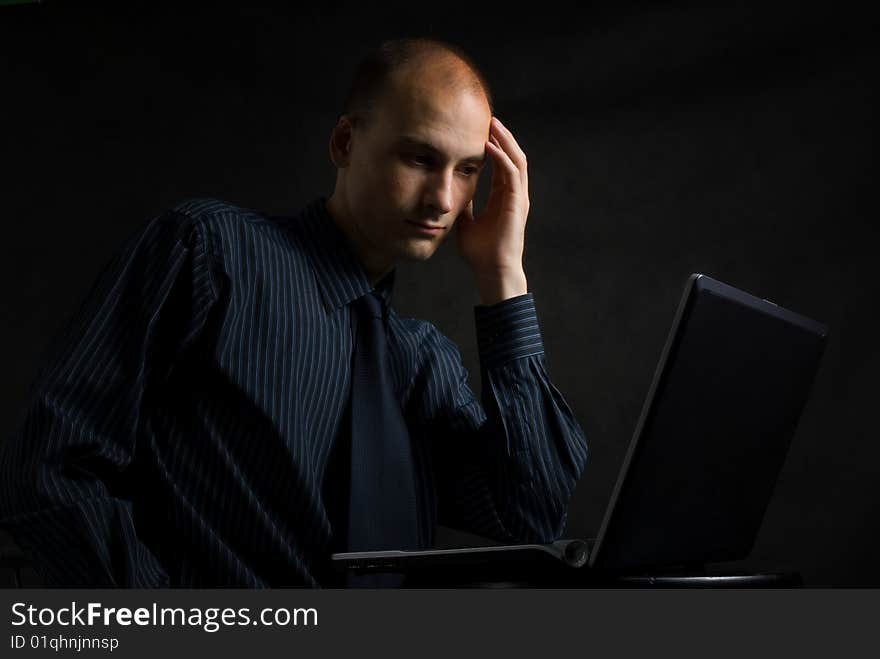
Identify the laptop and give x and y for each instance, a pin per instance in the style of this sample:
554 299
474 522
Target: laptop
727 393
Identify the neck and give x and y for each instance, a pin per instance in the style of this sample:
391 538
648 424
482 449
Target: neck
375 264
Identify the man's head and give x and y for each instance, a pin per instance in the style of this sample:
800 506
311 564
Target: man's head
408 148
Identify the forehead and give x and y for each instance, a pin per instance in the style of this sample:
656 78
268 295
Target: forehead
453 119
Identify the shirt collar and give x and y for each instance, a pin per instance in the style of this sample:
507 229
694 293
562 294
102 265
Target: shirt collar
341 277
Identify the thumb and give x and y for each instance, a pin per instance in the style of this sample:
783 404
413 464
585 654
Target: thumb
465 220
467 213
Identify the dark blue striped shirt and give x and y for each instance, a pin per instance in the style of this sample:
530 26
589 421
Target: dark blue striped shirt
181 434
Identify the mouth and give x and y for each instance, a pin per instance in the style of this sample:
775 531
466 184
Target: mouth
426 228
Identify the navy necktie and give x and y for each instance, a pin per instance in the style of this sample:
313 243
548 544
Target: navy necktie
383 513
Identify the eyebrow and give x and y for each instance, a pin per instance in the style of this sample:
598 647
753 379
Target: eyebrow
427 146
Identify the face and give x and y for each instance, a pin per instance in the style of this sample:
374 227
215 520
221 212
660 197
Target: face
412 169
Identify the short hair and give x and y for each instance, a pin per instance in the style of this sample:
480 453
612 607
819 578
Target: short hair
377 67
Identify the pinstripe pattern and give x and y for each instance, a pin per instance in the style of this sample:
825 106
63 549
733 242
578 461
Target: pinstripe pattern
182 431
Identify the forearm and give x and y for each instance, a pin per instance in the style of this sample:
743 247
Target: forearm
91 543
512 476
57 500
65 477
538 450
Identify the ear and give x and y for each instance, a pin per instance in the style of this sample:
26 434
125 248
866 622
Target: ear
340 142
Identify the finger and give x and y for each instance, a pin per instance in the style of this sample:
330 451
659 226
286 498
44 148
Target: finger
508 143
512 177
498 148
465 221
506 169
503 174
506 140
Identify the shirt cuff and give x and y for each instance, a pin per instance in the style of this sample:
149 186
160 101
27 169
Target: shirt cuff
508 330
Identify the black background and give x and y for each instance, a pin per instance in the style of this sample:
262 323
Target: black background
662 140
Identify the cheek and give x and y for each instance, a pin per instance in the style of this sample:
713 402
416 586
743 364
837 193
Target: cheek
372 184
403 183
470 187
388 183
465 192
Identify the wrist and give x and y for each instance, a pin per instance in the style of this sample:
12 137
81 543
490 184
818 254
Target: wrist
497 286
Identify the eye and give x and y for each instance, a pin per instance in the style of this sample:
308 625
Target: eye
470 171
421 161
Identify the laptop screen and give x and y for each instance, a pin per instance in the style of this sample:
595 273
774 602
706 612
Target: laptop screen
714 431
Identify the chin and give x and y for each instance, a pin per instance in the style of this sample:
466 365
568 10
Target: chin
419 252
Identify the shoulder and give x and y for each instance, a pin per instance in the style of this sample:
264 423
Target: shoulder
208 212
194 216
223 223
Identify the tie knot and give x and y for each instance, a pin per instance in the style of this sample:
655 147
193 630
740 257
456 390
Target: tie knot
370 305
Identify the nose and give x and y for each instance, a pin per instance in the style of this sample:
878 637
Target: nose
438 191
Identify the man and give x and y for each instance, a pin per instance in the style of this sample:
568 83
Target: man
238 399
